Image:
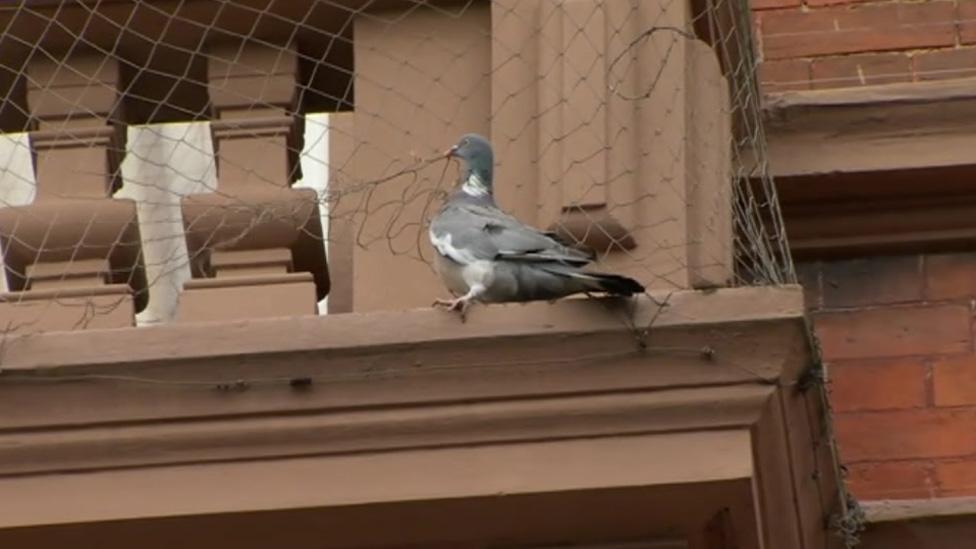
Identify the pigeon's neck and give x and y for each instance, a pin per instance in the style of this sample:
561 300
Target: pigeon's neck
476 184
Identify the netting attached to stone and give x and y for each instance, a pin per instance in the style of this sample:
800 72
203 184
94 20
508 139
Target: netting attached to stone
206 159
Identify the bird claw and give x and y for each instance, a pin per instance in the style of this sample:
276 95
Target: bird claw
460 305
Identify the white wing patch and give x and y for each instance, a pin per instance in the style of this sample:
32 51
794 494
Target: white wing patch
442 243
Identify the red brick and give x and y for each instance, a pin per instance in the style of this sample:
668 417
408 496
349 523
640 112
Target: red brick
877 384
861 28
792 74
967 21
950 276
861 70
891 480
906 434
773 4
954 381
894 331
945 64
872 281
956 478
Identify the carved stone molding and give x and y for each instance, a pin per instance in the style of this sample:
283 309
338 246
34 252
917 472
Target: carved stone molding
880 169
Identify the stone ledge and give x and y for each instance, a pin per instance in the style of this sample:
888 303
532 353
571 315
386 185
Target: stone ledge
914 509
944 523
878 169
876 128
176 342
325 416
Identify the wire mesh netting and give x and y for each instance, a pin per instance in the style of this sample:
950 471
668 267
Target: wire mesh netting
157 154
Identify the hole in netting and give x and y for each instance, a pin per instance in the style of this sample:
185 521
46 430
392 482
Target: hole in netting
163 83
14 114
326 68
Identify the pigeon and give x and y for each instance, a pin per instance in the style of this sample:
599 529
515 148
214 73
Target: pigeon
483 254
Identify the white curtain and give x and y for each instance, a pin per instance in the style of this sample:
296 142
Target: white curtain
315 172
163 163
17 183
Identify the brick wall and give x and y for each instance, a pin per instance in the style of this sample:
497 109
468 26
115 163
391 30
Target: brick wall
816 44
897 338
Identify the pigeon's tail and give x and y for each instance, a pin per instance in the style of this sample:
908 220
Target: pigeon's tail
613 284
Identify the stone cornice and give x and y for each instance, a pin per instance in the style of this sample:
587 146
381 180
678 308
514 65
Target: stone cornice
363 364
879 169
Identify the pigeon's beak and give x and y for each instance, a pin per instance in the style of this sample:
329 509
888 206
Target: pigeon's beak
450 152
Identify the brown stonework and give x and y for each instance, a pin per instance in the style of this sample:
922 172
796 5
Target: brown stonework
254 216
73 236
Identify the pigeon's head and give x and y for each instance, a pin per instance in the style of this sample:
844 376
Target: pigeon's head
472 148
477 161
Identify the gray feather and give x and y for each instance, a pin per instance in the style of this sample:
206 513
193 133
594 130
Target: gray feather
488 233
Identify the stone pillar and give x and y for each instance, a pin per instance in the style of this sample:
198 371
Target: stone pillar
73 254
168 152
419 85
625 135
255 242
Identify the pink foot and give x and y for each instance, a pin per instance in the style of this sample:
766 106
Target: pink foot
460 305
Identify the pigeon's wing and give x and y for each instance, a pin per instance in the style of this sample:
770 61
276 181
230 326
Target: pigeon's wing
466 233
